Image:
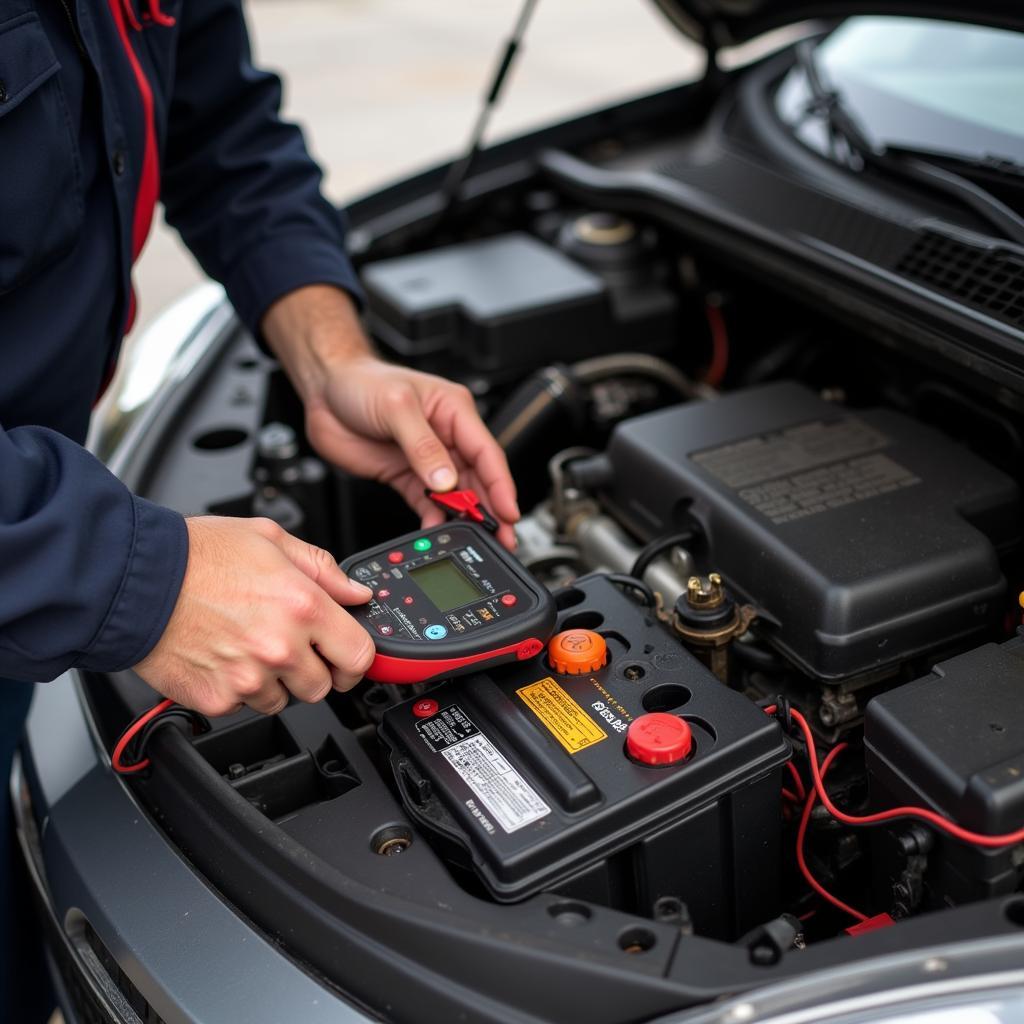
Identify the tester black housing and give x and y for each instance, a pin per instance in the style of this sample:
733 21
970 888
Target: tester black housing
446 600
484 765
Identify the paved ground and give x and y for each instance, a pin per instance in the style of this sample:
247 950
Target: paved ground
384 87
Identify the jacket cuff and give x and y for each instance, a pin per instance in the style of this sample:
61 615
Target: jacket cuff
148 592
283 264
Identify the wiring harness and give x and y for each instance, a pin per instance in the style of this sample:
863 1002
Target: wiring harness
790 717
129 755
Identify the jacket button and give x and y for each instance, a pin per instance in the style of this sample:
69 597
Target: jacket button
3 91
120 162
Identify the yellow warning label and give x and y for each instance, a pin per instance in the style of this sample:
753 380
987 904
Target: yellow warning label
564 718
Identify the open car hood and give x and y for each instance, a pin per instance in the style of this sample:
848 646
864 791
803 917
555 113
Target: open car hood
718 23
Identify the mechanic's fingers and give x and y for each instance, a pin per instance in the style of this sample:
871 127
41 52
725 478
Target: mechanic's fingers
506 533
432 516
507 536
476 445
205 699
310 680
425 451
410 488
341 681
346 647
270 699
319 565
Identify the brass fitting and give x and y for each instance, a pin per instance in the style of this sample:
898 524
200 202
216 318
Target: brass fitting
708 620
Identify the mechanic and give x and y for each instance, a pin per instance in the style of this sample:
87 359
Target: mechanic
107 106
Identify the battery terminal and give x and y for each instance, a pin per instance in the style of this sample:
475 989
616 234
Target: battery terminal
708 619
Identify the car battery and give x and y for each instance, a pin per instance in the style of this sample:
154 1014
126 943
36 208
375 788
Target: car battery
614 768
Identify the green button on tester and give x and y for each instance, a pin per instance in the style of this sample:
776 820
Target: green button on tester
423 544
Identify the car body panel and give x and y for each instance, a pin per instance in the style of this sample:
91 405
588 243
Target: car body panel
193 958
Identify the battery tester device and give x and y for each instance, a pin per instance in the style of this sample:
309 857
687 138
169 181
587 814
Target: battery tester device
449 599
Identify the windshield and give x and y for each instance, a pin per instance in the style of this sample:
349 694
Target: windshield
938 86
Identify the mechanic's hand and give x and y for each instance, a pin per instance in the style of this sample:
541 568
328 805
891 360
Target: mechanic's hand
408 429
258 618
411 430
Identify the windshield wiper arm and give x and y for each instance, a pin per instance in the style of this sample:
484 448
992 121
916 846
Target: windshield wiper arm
1004 166
828 102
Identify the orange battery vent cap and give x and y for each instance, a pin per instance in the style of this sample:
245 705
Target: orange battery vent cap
576 651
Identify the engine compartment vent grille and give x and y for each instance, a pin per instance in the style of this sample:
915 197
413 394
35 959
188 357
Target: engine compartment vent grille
989 280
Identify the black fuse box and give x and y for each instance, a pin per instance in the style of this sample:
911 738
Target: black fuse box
863 537
954 741
522 774
501 303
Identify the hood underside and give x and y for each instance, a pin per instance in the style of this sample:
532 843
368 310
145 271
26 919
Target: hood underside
718 23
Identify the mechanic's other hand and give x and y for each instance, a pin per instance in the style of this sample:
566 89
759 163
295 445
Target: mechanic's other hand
259 617
408 429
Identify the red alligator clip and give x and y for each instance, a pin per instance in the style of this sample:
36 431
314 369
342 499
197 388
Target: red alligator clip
463 505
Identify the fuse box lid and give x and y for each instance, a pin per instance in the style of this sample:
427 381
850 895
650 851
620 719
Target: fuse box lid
955 737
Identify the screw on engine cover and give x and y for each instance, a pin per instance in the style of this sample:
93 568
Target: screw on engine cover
391 840
672 910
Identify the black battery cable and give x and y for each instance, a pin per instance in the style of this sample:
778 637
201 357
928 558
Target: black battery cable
649 552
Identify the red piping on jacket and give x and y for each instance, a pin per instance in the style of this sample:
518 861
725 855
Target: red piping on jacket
149 181
153 14
124 15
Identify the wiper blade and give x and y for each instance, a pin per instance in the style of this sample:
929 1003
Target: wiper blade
827 102
990 163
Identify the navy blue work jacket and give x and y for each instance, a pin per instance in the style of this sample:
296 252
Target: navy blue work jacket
107 106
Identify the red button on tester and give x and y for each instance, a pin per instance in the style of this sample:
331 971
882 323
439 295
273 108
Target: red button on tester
425 708
659 739
509 599
394 557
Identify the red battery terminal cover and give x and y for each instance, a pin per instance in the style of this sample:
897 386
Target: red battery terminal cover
464 505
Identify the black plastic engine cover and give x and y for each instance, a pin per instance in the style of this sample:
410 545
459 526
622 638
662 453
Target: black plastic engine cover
523 775
864 537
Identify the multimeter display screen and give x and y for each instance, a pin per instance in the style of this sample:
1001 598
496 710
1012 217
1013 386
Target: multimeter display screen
444 584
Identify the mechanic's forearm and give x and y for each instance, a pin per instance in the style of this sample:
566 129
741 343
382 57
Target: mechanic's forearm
313 331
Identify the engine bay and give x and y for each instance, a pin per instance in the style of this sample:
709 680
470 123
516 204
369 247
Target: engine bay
766 547
751 512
